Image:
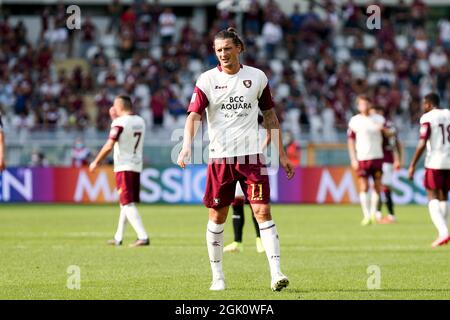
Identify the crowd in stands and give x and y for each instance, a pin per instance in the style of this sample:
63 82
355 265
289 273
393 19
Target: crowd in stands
317 60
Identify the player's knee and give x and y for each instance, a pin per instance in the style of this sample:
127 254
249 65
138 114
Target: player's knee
218 216
262 213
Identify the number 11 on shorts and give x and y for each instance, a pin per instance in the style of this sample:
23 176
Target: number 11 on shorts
260 193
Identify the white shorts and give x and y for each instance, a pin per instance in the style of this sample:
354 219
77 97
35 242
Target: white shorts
387 177
239 192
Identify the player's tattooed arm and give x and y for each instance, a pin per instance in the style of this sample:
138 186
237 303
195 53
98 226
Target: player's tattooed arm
352 153
398 154
268 138
272 124
106 149
419 150
193 122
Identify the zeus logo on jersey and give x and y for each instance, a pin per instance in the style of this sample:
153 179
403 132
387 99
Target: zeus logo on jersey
236 102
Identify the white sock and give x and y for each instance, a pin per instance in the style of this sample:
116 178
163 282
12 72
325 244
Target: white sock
214 242
121 225
134 218
437 217
373 203
365 203
271 243
444 210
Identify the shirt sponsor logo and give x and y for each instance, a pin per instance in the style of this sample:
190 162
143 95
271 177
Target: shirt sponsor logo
247 83
220 87
236 102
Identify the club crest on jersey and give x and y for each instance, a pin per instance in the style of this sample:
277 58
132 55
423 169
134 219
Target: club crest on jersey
247 83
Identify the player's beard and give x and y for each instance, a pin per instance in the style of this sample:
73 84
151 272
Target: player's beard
229 64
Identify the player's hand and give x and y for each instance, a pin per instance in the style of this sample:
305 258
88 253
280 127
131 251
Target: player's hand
411 171
355 165
112 113
287 166
397 165
93 166
185 155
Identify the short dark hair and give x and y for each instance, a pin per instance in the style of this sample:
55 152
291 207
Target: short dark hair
231 33
363 97
126 100
433 99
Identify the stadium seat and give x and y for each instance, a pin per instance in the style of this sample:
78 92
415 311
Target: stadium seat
370 41
339 41
401 41
349 41
343 55
195 66
358 69
276 66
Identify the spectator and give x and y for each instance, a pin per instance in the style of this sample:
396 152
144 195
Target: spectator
38 159
272 35
88 36
126 42
167 25
158 108
45 18
292 149
418 14
252 18
114 12
437 58
80 154
442 82
401 14
102 103
444 34
352 17
128 19
51 114
421 45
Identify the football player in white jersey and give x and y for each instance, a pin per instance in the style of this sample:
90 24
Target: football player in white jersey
126 138
435 137
365 137
2 146
238 209
392 159
232 96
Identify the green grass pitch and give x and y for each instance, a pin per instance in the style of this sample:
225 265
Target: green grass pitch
325 253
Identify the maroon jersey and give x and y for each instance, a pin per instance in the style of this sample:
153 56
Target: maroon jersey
389 144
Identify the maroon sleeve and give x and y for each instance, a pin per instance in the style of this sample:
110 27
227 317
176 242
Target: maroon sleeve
115 133
266 100
425 131
199 101
351 134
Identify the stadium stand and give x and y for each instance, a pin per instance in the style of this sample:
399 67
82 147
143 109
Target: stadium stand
58 84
